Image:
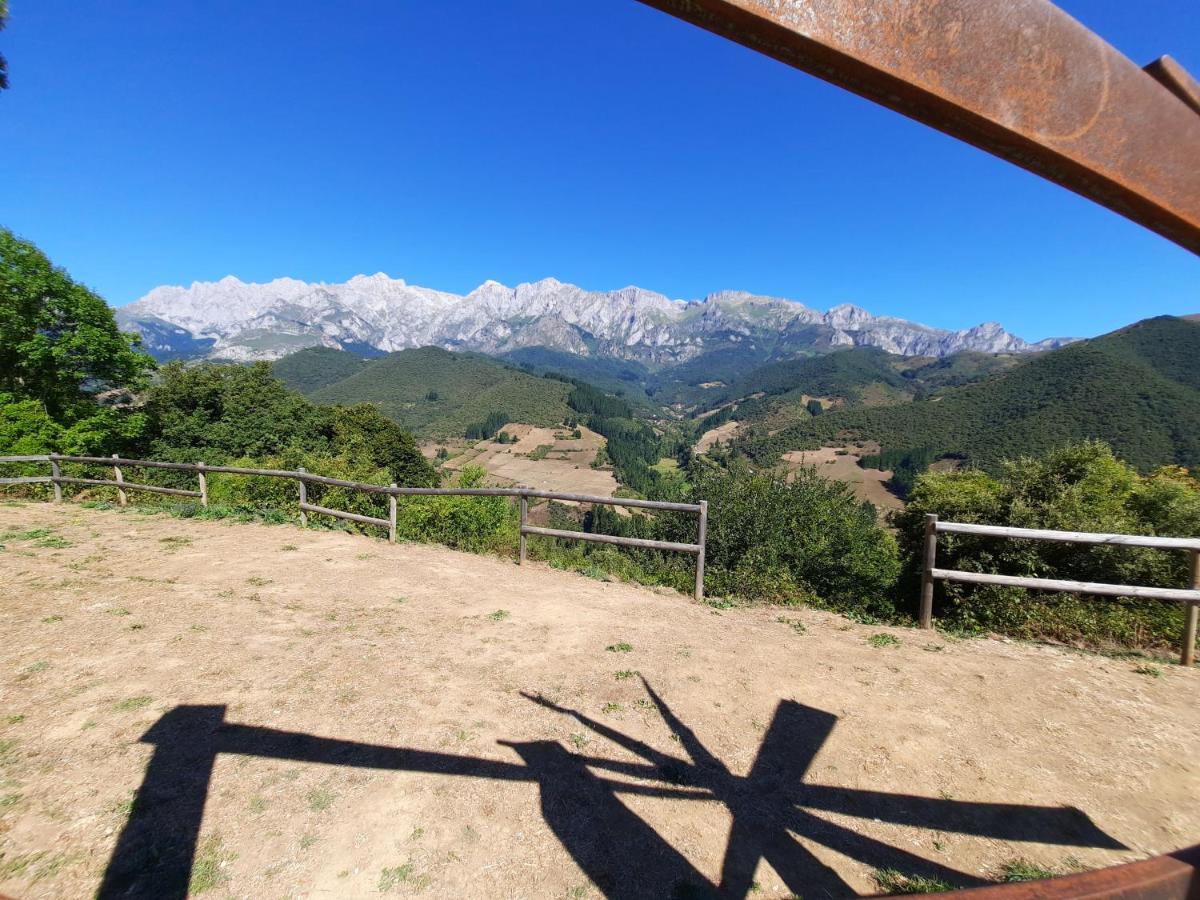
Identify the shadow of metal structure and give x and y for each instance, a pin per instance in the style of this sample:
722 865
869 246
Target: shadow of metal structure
772 806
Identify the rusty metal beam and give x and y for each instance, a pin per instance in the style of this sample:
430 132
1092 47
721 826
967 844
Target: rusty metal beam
1019 78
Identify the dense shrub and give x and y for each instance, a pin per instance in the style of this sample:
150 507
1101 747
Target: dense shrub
808 539
1082 487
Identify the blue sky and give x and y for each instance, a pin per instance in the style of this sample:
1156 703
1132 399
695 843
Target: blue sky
602 143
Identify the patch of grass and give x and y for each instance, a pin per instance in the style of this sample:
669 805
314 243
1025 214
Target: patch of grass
31 534
595 572
174 542
883 640
257 805
625 674
892 882
1024 870
54 542
14 720
131 703
136 626
208 869
320 799
8 800
50 620
795 624
289 547
258 581
308 840
36 668
579 741
404 875
612 707
119 611
1151 671
499 615
719 602
622 647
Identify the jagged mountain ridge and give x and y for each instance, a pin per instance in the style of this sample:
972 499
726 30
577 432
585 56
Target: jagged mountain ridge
232 319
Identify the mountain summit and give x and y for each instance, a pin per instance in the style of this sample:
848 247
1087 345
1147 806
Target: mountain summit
231 319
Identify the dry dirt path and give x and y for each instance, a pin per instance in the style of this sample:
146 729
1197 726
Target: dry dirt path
324 715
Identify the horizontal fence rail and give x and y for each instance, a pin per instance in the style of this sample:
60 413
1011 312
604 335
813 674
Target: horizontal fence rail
304 479
930 573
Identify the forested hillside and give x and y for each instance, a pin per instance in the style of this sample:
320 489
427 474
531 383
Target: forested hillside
1138 389
436 393
309 370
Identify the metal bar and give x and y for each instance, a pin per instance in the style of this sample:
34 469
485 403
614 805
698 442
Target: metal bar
1176 79
31 479
1073 537
129 486
928 561
701 540
1020 79
341 514
1175 876
612 539
1071 587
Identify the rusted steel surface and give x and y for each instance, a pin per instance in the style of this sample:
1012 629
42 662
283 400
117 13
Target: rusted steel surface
1019 78
1175 876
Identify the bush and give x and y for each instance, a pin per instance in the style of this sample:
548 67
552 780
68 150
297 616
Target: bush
1082 487
789 542
465 523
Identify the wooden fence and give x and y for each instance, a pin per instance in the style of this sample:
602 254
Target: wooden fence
1191 597
303 479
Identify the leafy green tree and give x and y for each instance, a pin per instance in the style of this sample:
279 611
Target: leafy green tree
3 61
364 434
67 374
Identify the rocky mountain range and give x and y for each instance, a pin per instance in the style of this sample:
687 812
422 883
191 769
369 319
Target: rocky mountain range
371 314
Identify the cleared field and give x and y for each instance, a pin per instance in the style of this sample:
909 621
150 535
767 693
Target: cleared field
841 464
548 459
319 714
716 436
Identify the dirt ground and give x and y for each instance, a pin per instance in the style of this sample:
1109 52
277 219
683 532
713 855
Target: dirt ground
319 714
868 484
566 465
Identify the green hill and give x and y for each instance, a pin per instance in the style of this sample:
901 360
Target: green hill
437 393
1137 388
309 370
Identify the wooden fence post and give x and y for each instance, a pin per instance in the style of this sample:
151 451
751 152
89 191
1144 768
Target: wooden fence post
928 562
122 497
1190 615
392 516
524 522
203 484
55 475
701 539
303 498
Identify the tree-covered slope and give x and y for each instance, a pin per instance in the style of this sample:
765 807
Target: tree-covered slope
1136 388
435 392
311 369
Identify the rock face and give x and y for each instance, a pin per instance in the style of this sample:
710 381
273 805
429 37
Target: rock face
230 319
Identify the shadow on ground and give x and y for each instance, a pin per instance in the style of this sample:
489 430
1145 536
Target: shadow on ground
580 801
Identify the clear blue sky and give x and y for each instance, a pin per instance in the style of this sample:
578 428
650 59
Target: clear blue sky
602 143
